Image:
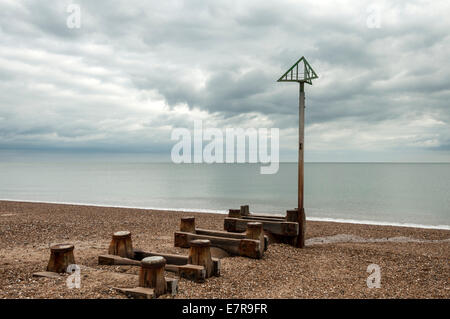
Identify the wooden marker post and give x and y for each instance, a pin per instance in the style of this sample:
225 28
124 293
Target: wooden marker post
61 256
121 245
200 254
301 141
302 73
151 274
187 224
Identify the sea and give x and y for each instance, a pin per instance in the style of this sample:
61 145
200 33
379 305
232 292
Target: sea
401 194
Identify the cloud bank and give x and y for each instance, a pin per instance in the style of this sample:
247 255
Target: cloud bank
135 70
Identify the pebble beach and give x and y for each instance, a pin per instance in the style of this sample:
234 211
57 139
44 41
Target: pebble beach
414 262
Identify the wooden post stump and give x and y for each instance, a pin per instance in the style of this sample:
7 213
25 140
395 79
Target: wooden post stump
255 231
234 213
121 245
151 274
245 210
292 215
200 254
61 256
187 224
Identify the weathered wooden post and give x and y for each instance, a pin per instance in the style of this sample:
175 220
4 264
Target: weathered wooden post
200 254
187 224
61 256
151 274
234 213
245 210
255 231
121 245
292 215
301 73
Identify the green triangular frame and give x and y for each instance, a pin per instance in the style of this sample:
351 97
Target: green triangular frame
293 75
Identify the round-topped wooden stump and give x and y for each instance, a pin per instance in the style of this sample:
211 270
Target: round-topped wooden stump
187 224
151 274
255 231
121 245
61 256
200 254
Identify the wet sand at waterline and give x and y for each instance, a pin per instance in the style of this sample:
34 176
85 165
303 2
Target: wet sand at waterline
414 262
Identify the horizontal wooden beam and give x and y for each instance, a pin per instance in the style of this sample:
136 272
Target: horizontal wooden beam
149 293
265 217
219 233
237 247
117 261
188 271
170 258
281 228
244 212
226 234
192 272
176 260
47 274
138 292
196 273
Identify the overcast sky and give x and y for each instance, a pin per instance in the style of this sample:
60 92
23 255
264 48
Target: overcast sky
135 70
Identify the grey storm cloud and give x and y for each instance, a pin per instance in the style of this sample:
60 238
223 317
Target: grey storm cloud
134 70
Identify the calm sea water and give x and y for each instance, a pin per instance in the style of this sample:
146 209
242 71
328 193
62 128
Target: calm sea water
369 192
